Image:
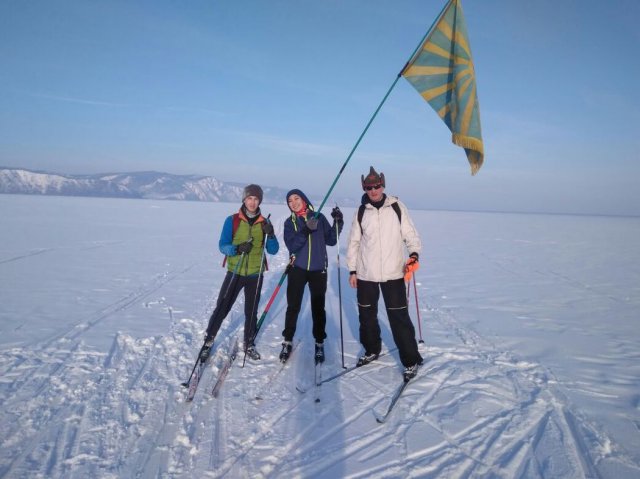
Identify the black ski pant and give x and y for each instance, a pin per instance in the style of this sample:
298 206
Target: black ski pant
395 301
231 287
296 282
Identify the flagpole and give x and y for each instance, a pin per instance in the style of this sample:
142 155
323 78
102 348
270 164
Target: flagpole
428 34
375 113
356 145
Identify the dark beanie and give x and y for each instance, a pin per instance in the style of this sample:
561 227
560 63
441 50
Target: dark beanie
252 190
373 178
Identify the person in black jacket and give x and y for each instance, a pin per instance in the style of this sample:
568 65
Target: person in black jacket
307 236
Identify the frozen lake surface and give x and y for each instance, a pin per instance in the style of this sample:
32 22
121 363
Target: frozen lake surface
531 347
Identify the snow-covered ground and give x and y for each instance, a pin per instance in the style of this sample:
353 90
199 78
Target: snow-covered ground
531 347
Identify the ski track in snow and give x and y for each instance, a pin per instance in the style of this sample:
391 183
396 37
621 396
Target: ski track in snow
39 251
26 255
129 300
474 410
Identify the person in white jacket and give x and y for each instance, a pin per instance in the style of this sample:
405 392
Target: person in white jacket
381 231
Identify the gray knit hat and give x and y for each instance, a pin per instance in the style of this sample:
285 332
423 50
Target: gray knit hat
252 190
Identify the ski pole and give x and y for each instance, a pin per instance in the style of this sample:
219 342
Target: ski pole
273 297
340 296
415 291
186 383
255 297
235 272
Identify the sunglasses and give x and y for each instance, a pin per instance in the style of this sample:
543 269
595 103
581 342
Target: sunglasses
374 187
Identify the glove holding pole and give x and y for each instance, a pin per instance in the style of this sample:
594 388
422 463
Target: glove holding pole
244 248
311 224
411 266
338 218
267 228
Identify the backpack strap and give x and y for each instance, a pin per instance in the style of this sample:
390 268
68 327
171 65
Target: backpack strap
395 206
360 215
235 225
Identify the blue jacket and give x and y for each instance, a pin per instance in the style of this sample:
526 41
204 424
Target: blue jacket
309 247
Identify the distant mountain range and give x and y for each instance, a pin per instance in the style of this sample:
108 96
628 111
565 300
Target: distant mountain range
144 184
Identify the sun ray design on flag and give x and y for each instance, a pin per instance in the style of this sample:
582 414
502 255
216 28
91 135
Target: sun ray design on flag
442 72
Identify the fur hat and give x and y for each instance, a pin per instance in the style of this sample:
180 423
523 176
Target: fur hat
373 178
252 190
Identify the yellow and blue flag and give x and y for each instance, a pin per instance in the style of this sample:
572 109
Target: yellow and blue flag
442 72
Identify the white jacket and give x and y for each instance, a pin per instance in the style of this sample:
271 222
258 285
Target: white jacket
378 252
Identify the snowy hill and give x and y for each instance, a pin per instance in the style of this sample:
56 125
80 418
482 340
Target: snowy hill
531 353
149 185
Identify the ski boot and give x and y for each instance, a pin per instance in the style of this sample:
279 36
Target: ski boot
319 353
286 351
253 353
366 359
410 372
206 349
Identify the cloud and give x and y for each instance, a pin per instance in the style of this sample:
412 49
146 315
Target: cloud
180 109
82 101
299 148
287 146
91 102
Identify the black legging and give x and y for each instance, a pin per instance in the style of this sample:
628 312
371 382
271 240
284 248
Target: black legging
231 287
395 301
296 282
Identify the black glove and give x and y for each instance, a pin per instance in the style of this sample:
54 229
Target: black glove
336 214
244 248
312 223
267 229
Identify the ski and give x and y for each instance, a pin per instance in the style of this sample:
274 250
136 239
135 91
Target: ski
273 376
351 368
195 380
318 380
231 356
196 375
394 400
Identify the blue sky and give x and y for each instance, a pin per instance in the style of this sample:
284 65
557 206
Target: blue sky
278 92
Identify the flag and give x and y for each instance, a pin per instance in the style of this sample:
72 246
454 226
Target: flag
442 72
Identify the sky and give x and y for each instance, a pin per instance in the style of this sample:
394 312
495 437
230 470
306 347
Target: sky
277 93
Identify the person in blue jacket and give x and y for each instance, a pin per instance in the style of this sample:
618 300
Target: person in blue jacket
307 236
243 237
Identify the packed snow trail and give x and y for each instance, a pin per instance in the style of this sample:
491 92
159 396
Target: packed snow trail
472 411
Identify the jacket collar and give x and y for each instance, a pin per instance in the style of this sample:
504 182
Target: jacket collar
378 205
